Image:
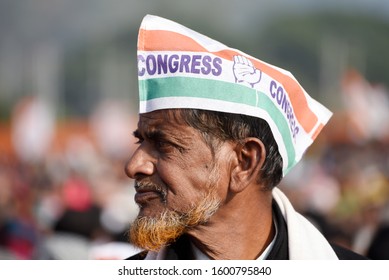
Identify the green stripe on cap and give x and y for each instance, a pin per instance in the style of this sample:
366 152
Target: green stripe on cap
194 87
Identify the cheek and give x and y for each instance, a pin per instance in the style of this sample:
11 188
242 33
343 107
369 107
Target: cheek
186 170
185 186
187 175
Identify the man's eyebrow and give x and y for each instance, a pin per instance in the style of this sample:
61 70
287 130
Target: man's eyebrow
155 134
151 134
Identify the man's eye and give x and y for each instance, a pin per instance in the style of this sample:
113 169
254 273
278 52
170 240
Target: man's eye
139 141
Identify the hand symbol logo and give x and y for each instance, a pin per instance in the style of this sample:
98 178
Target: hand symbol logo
244 71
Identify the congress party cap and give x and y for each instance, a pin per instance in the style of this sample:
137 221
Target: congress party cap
181 68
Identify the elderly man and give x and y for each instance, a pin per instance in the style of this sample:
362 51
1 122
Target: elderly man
217 131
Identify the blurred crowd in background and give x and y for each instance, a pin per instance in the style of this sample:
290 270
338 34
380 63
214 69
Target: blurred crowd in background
63 191
68 107
343 182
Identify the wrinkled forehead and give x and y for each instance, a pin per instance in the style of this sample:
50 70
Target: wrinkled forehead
168 120
170 116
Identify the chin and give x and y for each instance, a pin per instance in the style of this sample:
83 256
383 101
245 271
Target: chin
150 211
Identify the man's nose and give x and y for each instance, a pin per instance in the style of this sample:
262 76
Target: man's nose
140 163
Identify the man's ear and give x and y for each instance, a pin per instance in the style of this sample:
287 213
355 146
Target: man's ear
250 157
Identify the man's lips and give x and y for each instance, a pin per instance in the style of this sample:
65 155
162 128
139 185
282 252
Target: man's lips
147 192
142 197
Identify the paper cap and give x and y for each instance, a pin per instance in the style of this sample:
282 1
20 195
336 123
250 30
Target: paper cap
181 68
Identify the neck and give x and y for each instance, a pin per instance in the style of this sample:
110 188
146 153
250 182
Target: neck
241 229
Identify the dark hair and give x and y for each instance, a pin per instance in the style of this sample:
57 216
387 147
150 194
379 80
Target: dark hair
236 127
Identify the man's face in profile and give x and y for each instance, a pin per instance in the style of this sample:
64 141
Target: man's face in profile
177 179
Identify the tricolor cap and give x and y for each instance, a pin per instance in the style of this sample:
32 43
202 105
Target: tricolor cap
181 68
